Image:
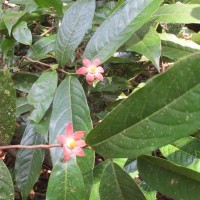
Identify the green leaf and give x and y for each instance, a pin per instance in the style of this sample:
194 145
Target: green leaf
175 48
169 179
117 184
119 27
148 192
22 106
7 45
97 173
41 94
86 165
43 126
66 182
76 21
29 161
141 123
178 13
180 156
120 161
57 4
146 41
189 144
22 33
6 184
24 81
69 105
40 49
11 18
8 108
112 84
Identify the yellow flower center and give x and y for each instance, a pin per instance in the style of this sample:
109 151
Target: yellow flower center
92 69
71 143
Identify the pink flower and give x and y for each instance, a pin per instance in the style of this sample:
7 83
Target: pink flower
72 143
91 70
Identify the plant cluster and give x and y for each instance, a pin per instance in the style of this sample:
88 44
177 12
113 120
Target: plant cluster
111 89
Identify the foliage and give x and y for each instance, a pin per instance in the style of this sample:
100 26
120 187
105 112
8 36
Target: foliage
139 107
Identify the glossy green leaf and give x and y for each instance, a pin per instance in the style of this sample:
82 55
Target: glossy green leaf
57 4
7 45
117 184
40 49
43 126
175 48
11 18
8 108
148 43
66 182
22 33
189 144
148 192
97 173
29 161
24 81
69 105
169 179
6 184
112 84
86 165
41 94
76 21
141 123
181 156
22 106
119 27
178 13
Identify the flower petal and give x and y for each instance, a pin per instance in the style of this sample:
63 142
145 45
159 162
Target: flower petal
69 130
80 143
78 135
86 62
61 139
100 69
67 154
90 78
82 70
96 62
78 151
99 76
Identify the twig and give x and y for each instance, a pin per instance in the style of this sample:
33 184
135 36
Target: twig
36 61
47 65
49 30
43 146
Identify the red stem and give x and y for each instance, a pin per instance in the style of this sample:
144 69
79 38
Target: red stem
43 146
